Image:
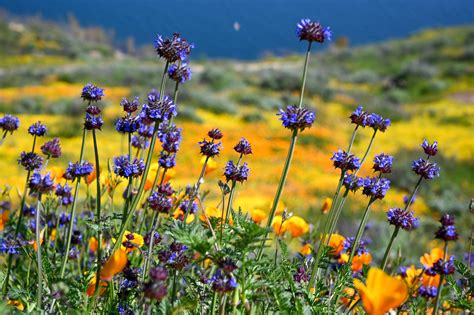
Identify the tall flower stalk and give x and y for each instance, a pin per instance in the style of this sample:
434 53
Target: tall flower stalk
296 118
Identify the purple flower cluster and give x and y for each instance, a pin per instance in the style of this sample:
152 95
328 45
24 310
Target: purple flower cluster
236 173
157 109
37 129
173 49
9 246
215 134
402 218
92 93
188 205
180 73
430 149
64 192
39 184
52 148
30 161
301 274
296 118
161 200
93 122
345 162
125 167
376 187
156 288
243 147
127 124
428 291
167 160
442 267
9 123
383 163
129 106
426 169
353 182
77 170
175 257
377 122
312 31
349 242
210 148
171 138
359 117
222 282
447 230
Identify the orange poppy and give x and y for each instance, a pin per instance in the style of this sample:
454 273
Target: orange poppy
336 242
326 205
306 249
297 226
429 259
258 215
115 264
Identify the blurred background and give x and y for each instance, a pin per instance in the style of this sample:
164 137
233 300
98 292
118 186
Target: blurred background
411 61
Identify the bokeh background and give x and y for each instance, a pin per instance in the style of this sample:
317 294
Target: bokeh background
411 61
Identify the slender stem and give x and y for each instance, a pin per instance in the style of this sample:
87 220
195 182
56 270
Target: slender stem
354 132
303 76
141 187
395 232
39 292
98 216
441 279
389 247
337 214
195 192
229 203
213 305
279 191
360 231
367 151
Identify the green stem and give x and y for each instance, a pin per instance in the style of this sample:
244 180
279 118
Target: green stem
279 191
213 305
39 292
303 76
229 203
367 151
360 231
195 192
354 132
98 217
441 279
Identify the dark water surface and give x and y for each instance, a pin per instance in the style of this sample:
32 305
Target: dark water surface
247 29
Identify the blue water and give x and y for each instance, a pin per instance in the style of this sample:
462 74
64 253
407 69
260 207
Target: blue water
266 26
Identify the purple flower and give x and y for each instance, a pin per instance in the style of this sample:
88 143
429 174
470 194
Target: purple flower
430 149
64 192
349 243
171 139
156 238
376 187
359 117
140 142
402 219
227 265
92 93
428 291
127 124
383 163
9 123
77 170
40 184
236 173
173 49
30 161
222 282
155 290
344 161
166 189
126 168
37 129
9 246
301 275
93 122
425 169
180 73
447 230
128 106
312 31
158 110
215 134
243 147
209 148
160 202
406 199
444 267
167 160
145 130
159 273
378 122
296 118
353 182
52 149
187 204
93 110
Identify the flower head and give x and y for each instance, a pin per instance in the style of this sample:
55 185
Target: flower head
93 122
140 142
425 169
77 170
171 139
92 93
157 109
30 161
402 218
127 124
312 31
129 106
236 173
345 162
243 147
40 184
383 163
223 282
447 230
428 291
52 148
180 73
359 117
160 202
126 168
442 267
167 160
64 192
296 118
210 148
430 149
378 122
37 129
353 182
336 244
381 292
9 123
215 134
174 48
376 187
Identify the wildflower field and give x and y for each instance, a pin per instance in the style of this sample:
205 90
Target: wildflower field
335 182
